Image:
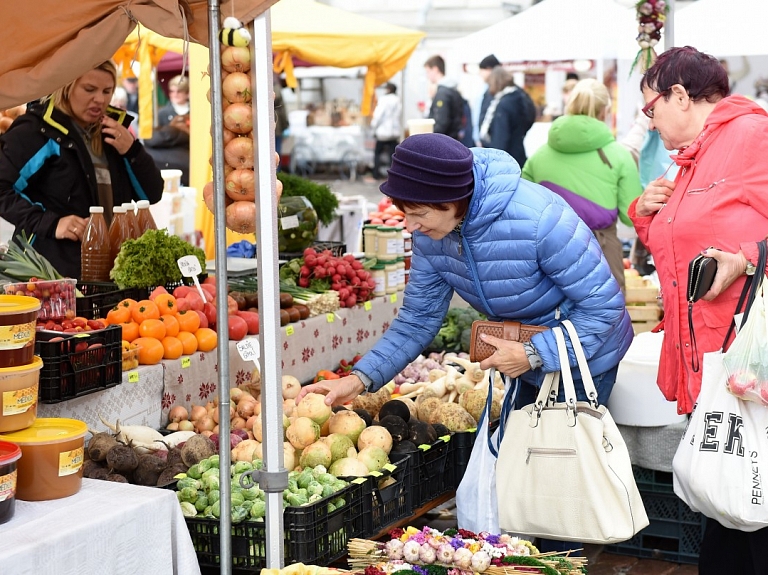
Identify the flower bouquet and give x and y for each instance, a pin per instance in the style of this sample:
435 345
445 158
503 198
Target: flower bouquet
457 552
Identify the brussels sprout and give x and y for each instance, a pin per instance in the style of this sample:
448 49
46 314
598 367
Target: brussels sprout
296 499
213 496
251 493
239 514
305 478
315 497
242 467
188 482
202 501
214 460
212 472
314 488
339 502
327 491
216 509
210 483
331 508
195 472
189 494
237 498
258 509
326 478
188 510
204 466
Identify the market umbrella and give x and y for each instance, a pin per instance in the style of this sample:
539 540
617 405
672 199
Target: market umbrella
66 39
555 30
735 28
328 36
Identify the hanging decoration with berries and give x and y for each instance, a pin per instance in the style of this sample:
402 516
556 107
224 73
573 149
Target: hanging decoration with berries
651 15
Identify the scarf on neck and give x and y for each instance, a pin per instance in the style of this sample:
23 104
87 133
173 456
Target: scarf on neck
492 110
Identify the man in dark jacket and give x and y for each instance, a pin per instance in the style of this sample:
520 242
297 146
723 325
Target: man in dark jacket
447 107
487 65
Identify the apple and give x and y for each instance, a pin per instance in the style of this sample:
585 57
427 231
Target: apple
741 382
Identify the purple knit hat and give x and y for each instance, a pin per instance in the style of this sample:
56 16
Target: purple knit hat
430 169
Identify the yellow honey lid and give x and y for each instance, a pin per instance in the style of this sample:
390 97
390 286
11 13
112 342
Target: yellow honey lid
47 430
10 304
37 364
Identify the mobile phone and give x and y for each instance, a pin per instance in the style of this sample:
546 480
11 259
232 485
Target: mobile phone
119 115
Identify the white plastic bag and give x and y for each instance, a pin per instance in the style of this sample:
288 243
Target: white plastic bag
721 465
746 361
476 506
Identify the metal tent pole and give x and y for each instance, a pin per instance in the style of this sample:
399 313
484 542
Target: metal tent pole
669 26
273 479
220 236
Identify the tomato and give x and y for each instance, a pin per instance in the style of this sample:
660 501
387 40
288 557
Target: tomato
171 324
182 304
150 350
238 328
152 328
130 330
172 348
210 313
232 307
188 341
252 319
188 321
206 339
195 301
165 302
210 288
157 291
182 291
145 309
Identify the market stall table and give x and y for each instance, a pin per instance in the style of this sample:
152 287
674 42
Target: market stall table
106 527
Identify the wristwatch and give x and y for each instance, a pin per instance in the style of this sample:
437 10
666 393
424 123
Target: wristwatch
750 271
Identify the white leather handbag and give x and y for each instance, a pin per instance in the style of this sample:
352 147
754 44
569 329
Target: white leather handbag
563 470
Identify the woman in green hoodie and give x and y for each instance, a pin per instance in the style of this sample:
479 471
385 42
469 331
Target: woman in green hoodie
582 162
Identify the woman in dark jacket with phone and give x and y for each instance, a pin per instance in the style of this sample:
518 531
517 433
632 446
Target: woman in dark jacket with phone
68 152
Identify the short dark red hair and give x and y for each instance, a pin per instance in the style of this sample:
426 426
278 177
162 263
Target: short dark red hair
461 205
702 75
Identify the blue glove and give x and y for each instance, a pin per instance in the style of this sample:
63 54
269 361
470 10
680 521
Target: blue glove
242 249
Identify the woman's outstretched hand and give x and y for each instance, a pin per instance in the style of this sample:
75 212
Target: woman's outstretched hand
336 391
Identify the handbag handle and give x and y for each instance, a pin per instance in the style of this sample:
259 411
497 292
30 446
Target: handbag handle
581 359
507 405
751 285
550 385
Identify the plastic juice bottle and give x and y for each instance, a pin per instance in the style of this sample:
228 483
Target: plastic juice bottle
133 222
95 251
119 231
146 221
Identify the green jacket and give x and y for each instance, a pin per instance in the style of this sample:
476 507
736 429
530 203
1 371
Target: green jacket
571 159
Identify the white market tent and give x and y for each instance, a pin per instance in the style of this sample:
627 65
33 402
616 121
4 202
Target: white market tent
555 30
733 28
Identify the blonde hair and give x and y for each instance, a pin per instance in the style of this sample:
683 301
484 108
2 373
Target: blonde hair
588 98
181 83
61 101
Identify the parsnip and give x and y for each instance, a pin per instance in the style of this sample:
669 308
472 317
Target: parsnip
472 369
135 433
436 374
407 389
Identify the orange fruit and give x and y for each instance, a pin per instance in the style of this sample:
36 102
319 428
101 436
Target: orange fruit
150 350
130 330
188 341
188 321
206 339
173 348
145 309
171 324
118 314
166 303
152 328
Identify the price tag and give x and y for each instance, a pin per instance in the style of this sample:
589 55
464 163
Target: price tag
249 349
389 467
367 306
393 298
185 362
133 377
375 473
190 268
330 317
289 330
289 222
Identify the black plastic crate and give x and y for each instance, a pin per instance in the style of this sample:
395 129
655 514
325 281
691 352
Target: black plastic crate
338 249
387 503
312 535
100 297
428 473
460 449
69 371
674 532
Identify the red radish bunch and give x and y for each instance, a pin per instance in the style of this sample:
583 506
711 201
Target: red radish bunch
345 275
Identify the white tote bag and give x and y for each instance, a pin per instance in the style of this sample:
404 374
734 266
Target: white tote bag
477 509
720 468
564 471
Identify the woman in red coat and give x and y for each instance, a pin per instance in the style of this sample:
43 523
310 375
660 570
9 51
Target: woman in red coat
720 199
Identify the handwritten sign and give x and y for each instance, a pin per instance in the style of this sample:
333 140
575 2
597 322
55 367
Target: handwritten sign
249 349
185 362
133 377
190 268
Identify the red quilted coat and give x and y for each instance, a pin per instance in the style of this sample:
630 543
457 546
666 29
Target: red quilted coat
720 200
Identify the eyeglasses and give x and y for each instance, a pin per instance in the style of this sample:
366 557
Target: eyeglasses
648 108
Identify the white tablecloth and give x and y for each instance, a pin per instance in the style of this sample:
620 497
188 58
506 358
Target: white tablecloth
105 528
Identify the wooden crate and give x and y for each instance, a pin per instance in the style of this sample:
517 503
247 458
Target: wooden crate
649 312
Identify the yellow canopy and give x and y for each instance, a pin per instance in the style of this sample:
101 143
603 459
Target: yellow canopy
327 36
147 48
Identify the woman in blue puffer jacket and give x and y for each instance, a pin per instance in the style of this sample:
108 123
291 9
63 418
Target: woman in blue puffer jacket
511 249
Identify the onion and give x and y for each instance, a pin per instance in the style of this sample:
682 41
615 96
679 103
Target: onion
257 434
184 425
175 426
236 87
206 433
235 394
239 153
291 387
177 413
249 422
242 433
205 423
241 217
238 118
245 409
289 405
229 135
241 185
237 423
197 412
236 59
